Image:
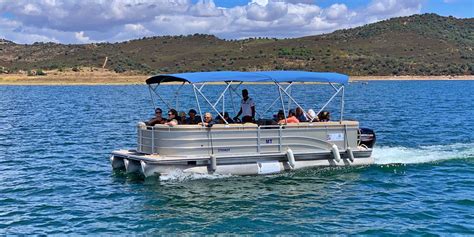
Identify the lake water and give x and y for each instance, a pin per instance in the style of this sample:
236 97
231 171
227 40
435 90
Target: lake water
55 176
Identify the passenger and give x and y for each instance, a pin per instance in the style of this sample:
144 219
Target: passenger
226 117
208 122
324 116
300 115
172 121
312 116
291 118
192 119
247 108
158 119
182 117
280 116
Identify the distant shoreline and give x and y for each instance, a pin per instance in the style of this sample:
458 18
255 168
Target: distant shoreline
111 78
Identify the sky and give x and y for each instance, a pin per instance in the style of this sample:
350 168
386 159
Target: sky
88 21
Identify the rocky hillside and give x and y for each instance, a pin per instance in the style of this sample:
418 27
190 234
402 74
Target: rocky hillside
416 45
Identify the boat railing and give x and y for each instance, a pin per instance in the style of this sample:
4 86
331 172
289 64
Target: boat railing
269 138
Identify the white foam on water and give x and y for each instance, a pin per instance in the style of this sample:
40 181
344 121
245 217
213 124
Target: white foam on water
423 154
383 155
179 176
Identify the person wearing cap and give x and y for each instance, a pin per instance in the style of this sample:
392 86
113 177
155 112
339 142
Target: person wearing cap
247 108
192 119
291 118
158 119
312 116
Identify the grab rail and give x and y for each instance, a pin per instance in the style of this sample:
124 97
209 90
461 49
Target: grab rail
277 137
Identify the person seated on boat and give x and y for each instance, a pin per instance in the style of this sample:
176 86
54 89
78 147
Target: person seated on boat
280 116
300 115
291 118
312 116
182 117
192 119
247 108
324 116
158 119
226 117
172 121
208 122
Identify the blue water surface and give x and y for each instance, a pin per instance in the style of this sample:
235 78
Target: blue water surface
55 176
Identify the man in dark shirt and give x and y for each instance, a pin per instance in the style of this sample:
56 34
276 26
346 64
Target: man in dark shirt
192 119
158 119
247 108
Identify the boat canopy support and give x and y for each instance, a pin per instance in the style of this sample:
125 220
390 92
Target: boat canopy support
241 77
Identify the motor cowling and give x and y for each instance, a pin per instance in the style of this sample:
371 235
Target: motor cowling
367 137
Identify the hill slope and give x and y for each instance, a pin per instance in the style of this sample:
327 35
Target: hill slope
416 45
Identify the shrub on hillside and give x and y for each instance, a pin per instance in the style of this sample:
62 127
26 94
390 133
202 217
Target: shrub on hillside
40 72
119 69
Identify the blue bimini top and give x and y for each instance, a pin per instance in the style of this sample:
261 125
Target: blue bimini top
260 76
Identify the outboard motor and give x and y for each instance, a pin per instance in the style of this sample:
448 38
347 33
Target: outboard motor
367 137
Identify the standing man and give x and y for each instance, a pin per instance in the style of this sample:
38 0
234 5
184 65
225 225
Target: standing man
247 108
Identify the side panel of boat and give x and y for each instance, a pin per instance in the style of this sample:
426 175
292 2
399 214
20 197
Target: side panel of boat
245 139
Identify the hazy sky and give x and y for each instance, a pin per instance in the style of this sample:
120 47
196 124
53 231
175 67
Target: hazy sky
76 21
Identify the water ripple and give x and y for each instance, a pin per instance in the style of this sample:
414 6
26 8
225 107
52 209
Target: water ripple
55 177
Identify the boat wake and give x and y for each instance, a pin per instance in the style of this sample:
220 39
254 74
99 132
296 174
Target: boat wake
383 155
404 155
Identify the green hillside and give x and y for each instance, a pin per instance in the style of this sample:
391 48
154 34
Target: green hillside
425 44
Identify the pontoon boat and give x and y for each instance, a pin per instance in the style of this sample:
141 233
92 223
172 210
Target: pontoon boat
250 148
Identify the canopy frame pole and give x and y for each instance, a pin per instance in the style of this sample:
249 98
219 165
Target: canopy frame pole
342 104
329 101
231 98
198 104
291 98
232 89
151 96
213 107
223 104
334 87
282 105
289 101
176 95
274 101
161 98
222 95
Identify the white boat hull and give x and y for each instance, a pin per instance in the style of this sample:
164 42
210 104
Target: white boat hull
242 149
249 165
